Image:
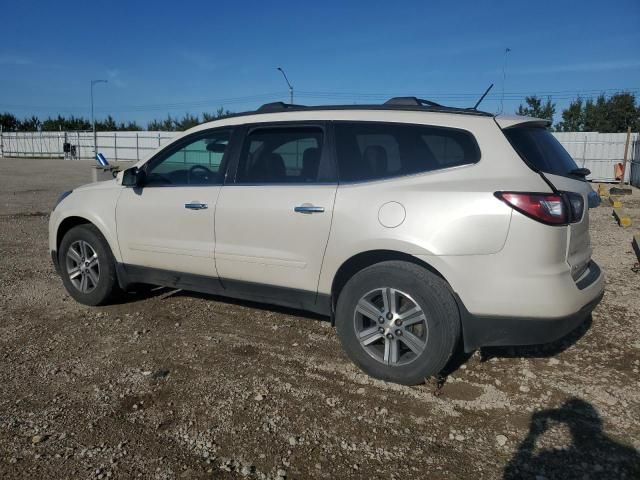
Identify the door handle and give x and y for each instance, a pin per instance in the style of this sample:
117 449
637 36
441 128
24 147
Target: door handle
196 206
306 208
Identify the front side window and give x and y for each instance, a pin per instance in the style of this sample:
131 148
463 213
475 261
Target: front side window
282 155
370 151
196 162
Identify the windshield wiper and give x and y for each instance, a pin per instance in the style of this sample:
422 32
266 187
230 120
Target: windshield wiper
580 172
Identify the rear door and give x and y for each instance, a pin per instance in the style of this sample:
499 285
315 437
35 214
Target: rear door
272 220
542 151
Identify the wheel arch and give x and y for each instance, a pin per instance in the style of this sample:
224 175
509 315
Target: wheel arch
366 259
72 221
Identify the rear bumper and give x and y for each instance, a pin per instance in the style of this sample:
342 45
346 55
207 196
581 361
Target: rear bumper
485 331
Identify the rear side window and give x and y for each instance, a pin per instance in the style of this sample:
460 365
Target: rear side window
541 150
369 151
282 155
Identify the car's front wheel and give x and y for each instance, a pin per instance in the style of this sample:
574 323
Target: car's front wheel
87 265
398 322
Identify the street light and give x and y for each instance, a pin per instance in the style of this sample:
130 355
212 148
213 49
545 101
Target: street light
290 87
93 121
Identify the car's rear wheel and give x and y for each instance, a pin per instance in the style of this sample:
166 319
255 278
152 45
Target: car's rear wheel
398 322
87 265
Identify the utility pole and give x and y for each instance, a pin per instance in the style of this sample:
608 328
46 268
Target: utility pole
504 78
93 121
290 87
626 156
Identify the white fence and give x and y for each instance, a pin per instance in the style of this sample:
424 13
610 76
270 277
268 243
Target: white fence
116 146
599 152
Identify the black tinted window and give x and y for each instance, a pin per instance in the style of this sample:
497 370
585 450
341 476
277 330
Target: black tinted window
541 150
281 155
367 151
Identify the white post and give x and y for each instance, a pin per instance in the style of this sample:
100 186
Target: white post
584 152
137 148
115 145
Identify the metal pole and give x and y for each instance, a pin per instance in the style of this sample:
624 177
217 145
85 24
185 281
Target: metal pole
504 78
93 121
115 144
137 148
584 151
626 152
288 84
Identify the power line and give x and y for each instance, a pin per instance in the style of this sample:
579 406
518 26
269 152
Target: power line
323 95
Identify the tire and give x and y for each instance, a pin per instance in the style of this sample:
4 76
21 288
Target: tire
87 243
425 337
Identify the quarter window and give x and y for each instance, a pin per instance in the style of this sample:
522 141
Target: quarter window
195 163
369 151
282 155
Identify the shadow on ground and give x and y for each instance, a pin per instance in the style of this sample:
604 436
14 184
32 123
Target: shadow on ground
591 453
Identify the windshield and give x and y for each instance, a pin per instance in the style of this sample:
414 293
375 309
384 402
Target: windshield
541 150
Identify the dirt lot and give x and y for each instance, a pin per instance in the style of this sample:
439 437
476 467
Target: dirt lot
177 385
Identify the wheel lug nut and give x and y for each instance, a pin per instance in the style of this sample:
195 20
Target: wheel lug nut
398 322
381 320
398 332
390 336
389 316
381 330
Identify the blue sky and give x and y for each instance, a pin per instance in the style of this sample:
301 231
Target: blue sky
173 57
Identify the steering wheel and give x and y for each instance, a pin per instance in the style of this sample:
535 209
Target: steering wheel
206 172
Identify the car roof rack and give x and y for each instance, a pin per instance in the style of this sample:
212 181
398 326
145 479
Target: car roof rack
278 107
395 103
413 101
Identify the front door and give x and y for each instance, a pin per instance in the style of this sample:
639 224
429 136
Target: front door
168 223
272 223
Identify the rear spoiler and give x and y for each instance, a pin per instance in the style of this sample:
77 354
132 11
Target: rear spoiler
511 121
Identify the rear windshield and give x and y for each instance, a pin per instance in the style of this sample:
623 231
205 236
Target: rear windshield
541 150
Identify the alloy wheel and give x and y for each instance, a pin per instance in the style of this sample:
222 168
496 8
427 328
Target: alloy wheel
83 266
390 326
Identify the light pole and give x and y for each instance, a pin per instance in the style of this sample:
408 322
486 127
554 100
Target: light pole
504 77
93 121
290 87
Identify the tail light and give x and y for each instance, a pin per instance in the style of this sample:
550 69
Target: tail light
549 208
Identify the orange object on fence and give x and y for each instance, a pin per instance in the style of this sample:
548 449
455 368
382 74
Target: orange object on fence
618 171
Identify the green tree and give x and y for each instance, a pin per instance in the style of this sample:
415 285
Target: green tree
572 117
535 108
187 122
9 122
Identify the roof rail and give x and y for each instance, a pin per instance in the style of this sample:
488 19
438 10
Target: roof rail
412 101
278 107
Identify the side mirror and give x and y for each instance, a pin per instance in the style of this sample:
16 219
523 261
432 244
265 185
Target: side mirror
133 177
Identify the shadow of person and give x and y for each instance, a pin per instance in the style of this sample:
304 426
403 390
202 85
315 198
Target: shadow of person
592 454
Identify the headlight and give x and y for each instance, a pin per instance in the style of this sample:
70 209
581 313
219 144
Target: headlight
62 197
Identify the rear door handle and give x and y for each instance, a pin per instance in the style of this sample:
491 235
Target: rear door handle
196 206
306 208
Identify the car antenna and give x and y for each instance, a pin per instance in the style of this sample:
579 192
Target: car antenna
475 107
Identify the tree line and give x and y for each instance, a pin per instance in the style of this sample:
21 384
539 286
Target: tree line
11 123
604 114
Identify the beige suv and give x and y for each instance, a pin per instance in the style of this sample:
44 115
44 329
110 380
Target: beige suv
410 224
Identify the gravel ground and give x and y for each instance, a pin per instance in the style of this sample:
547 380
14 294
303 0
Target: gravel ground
171 384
